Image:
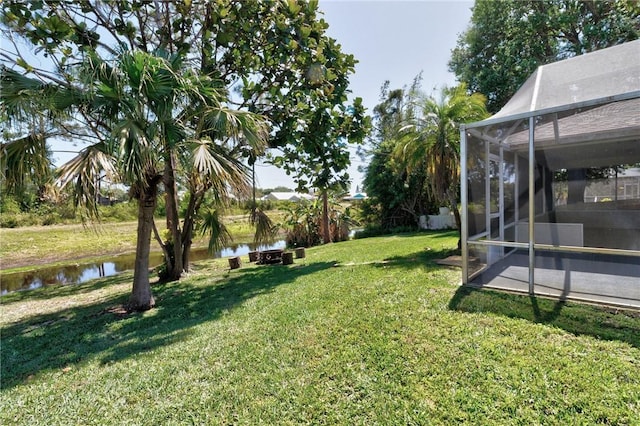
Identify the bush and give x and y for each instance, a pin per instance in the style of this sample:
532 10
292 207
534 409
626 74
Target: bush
119 212
10 220
9 205
303 223
376 231
16 220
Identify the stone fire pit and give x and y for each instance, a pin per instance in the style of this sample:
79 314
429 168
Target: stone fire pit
268 257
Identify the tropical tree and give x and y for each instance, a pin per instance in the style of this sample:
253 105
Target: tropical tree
155 112
431 141
143 108
397 198
318 153
303 222
265 51
217 169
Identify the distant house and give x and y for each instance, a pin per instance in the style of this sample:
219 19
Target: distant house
624 185
288 196
358 196
107 201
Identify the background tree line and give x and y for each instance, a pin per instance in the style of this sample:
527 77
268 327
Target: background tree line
504 44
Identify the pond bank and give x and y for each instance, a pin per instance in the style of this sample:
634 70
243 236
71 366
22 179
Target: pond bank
31 246
79 271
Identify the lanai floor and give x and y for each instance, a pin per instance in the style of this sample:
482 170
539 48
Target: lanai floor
603 279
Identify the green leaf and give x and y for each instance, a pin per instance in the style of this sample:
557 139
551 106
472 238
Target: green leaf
22 63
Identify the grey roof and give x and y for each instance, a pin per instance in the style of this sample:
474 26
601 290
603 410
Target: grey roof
589 79
595 137
586 111
613 121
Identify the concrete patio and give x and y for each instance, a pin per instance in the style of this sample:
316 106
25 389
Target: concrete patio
595 278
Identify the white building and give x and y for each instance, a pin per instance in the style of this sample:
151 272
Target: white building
288 196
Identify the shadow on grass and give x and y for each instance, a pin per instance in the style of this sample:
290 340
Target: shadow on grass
104 331
64 290
575 318
425 259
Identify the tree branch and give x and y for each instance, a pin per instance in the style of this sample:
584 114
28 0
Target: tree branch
165 249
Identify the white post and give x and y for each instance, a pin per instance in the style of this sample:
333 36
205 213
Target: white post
464 191
532 207
501 197
487 191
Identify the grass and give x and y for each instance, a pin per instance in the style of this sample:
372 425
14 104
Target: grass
369 331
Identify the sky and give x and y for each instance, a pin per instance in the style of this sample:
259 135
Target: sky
392 40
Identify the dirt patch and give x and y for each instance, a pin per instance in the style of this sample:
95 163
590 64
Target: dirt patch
119 311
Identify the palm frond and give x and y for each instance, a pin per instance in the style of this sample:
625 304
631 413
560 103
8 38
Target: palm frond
137 155
222 123
24 159
266 230
223 172
85 171
17 94
23 97
212 225
431 141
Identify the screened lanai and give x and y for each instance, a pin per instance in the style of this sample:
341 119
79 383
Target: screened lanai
551 184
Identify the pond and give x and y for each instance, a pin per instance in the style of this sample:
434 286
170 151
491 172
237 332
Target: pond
77 273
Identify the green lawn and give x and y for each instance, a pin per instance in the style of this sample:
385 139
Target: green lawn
362 332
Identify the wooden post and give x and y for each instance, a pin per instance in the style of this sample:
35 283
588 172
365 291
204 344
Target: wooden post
234 262
287 258
300 253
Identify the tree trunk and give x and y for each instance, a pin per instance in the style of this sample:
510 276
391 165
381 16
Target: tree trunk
195 201
453 205
186 251
173 220
576 185
141 298
326 234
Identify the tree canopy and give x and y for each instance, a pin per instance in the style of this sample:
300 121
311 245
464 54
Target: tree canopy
416 147
162 89
397 197
508 39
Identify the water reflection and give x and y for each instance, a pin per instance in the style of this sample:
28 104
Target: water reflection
78 273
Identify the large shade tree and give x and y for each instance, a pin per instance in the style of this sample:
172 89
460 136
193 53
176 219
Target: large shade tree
260 52
318 152
431 141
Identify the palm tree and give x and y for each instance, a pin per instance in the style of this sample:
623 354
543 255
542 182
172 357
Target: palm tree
431 141
188 129
217 169
151 117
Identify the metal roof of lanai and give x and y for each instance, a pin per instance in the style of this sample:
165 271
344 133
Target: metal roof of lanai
584 81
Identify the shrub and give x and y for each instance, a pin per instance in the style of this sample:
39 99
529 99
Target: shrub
377 230
303 223
9 205
11 220
119 212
